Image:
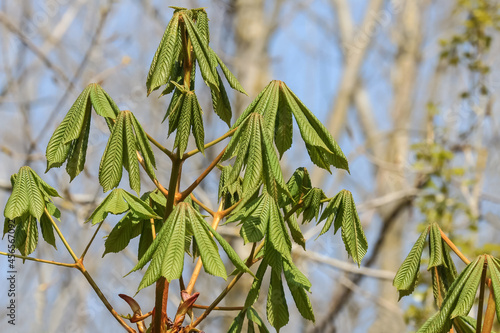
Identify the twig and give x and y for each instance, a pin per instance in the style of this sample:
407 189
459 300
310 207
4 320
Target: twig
160 146
39 260
210 144
205 173
90 242
70 250
220 308
454 247
489 316
202 205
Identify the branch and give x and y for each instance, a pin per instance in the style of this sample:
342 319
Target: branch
210 144
70 250
90 242
205 173
159 146
454 247
202 205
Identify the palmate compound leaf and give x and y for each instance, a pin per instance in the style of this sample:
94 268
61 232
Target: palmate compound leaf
435 247
126 139
132 225
70 139
119 201
27 203
343 210
276 102
253 148
166 253
186 117
407 275
441 321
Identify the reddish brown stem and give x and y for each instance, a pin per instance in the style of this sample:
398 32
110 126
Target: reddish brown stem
454 248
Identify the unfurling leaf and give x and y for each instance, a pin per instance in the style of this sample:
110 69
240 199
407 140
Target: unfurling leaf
126 140
343 210
70 139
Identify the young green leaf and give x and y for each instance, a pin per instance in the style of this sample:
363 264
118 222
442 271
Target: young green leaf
342 207
254 317
237 324
253 294
407 275
102 102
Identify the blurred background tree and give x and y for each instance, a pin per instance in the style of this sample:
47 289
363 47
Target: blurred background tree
408 88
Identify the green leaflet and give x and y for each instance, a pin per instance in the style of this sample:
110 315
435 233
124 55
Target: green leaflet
118 202
253 148
343 209
298 285
468 295
435 247
231 79
126 139
125 230
253 294
185 115
443 276
102 102
206 245
441 321
276 103
168 51
253 317
407 275
233 256
276 308
26 235
464 324
132 225
110 169
29 195
237 324
70 139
